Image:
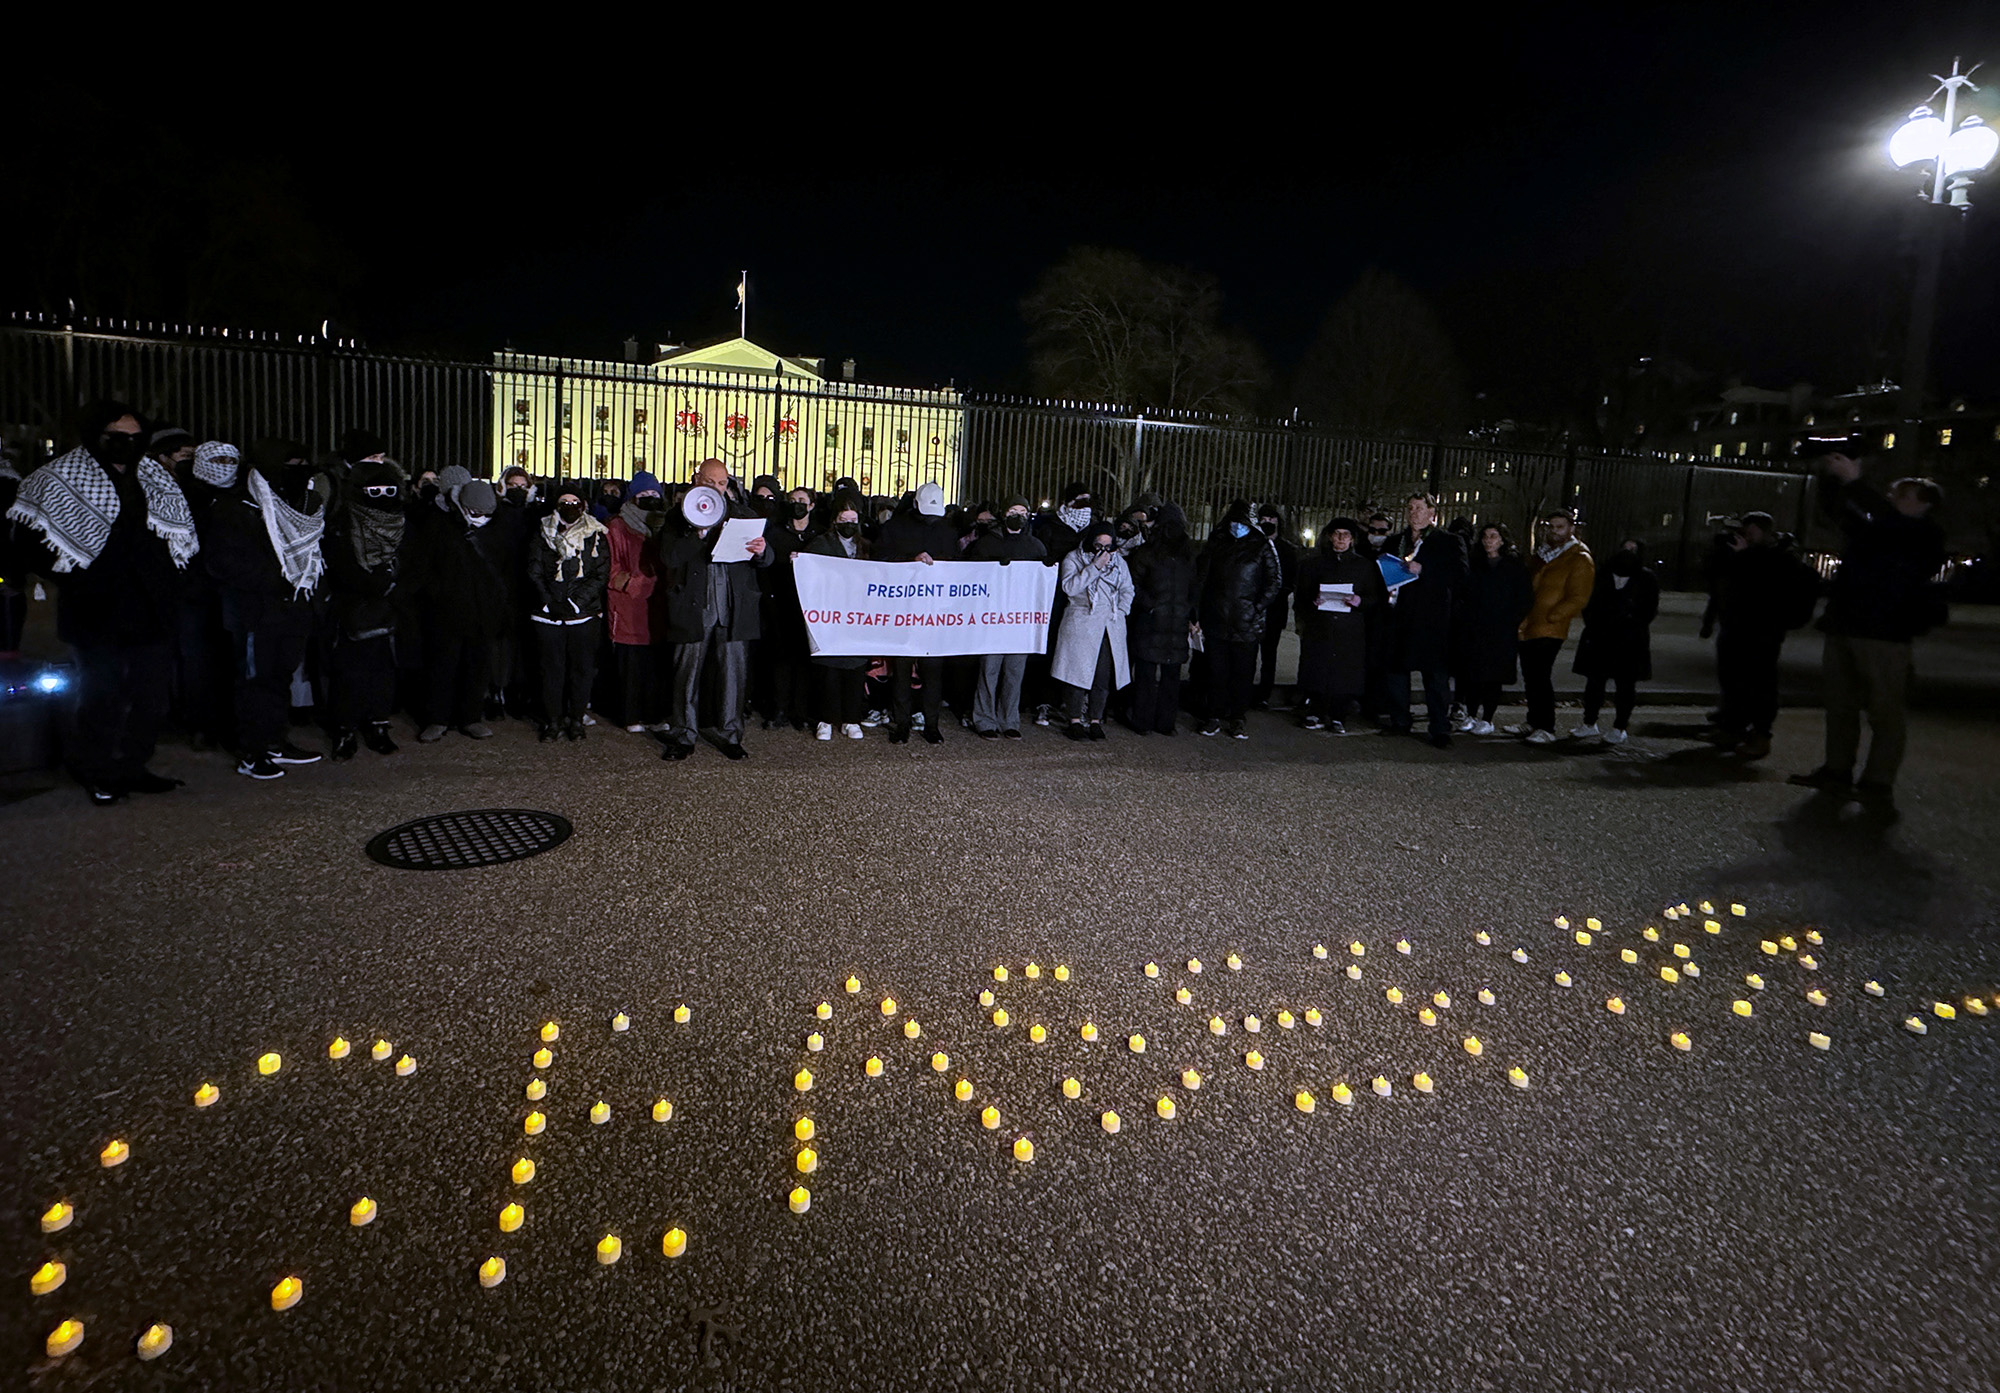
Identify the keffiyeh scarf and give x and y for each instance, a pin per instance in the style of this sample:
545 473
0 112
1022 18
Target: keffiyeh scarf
72 502
294 536
568 542
215 463
376 535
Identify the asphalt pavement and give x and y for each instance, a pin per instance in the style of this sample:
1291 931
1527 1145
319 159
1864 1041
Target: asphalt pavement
1751 1212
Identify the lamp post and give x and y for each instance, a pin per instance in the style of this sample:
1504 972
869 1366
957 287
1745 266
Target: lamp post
1955 154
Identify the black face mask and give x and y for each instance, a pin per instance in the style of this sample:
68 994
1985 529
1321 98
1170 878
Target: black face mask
569 512
1016 521
428 491
118 447
517 495
847 529
1128 531
799 509
1624 563
1268 526
650 504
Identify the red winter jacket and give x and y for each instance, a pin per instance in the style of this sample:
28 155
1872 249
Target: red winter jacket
632 575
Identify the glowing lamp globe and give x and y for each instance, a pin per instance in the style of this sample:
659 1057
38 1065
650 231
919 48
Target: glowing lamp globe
1920 138
1971 147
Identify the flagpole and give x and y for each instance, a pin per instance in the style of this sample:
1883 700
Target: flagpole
743 309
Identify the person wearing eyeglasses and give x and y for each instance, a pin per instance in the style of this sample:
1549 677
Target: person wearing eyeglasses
369 613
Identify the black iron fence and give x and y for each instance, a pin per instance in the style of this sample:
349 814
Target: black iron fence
579 419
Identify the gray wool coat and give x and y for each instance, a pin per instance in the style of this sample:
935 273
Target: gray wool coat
1099 600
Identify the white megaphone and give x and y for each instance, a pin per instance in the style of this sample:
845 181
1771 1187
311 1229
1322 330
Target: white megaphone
704 506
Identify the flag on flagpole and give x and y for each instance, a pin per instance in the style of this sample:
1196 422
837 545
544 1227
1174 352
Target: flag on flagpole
743 290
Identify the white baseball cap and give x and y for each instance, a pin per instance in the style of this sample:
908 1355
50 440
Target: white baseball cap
930 500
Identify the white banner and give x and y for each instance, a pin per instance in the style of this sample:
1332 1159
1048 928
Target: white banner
905 609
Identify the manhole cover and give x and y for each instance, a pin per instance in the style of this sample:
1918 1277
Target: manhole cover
457 841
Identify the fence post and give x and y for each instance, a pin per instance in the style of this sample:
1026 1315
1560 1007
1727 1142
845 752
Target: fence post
556 411
1568 503
1434 476
1687 525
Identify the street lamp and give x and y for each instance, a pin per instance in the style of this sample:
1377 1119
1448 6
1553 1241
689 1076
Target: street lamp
1955 154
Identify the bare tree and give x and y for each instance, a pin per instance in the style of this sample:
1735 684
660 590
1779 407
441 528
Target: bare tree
1110 326
1382 364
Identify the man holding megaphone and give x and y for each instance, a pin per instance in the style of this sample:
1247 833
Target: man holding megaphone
707 610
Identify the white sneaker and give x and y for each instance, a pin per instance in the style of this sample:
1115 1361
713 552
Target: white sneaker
875 718
1335 728
825 731
917 721
1541 737
1614 736
658 726
589 719
852 732
1523 729
1479 727
1589 732
635 730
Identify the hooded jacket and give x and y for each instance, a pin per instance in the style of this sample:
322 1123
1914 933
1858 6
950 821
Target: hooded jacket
1163 591
1239 580
1562 589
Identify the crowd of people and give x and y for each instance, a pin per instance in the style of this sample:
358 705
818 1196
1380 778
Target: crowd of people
221 589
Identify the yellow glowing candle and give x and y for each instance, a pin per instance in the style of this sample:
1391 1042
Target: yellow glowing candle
1755 983
492 1272
1427 1016
68 1335
338 1049
537 1090
511 1218
1319 951
940 1061
1808 962
47 1278
1740 1007
1819 1041
1403 946
115 1153
989 1117
609 1249
815 1042
1109 1122
600 1113
1190 1078
853 985
807 1160
1000 1016
1485 997
1062 972
1303 1101
1183 995
1680 1041
1152 969
1024 1150
362 1212
1032 971
1562 921
1395 995
1343 1095
1253 1060
1681 950
1233 963
1915 1025
1422 1082
1615 1005
620 1023
1165 1108
674 1242
1037 1033
962 1090
1518 1076
270 1062
1000 974
405 1067
1137 1044
1669 975
1354 972
1472 1045
1562 979
803 1129
1814 937
155 1340
551 1032
1873 988
382 1049
1818 997
800 1200
533 1123
1381 1087
888 1006
1088 1032
824 1010
663 1111
1312 1015
1650 934
1285 1021
1626 955
682 1015
1483 939
1358 948
911 1030
1194 965
803 1080
1943 1010
1072 1089
873 1068
286 1293
542 1059
1770 949
1441 1000
57 1217
1519 955
523 1171
986 999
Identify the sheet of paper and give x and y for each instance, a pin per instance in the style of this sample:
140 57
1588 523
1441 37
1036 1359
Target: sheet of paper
1343 588
733 542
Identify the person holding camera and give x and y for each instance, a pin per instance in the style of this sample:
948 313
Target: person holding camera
1885 593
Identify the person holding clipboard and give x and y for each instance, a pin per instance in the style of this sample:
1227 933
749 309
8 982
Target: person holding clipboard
1424 568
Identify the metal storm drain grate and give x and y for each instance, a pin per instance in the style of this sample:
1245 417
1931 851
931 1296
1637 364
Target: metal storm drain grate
458 841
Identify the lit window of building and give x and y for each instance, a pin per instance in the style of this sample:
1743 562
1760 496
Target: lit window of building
1944 435
1742 448
1888 440
1716 449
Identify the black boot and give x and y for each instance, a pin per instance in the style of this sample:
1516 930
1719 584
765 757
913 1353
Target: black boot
375 735
345 744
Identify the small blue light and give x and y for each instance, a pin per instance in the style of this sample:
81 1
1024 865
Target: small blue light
50 682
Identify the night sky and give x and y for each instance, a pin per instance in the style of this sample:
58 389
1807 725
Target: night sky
1701 182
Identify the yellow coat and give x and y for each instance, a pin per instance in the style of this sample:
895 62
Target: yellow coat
1562 589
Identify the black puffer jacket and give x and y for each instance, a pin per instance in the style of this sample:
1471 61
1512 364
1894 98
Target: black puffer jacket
1163 591
456 575
1618 626
256 597
1240 579
1002 545
572 589
1497 596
